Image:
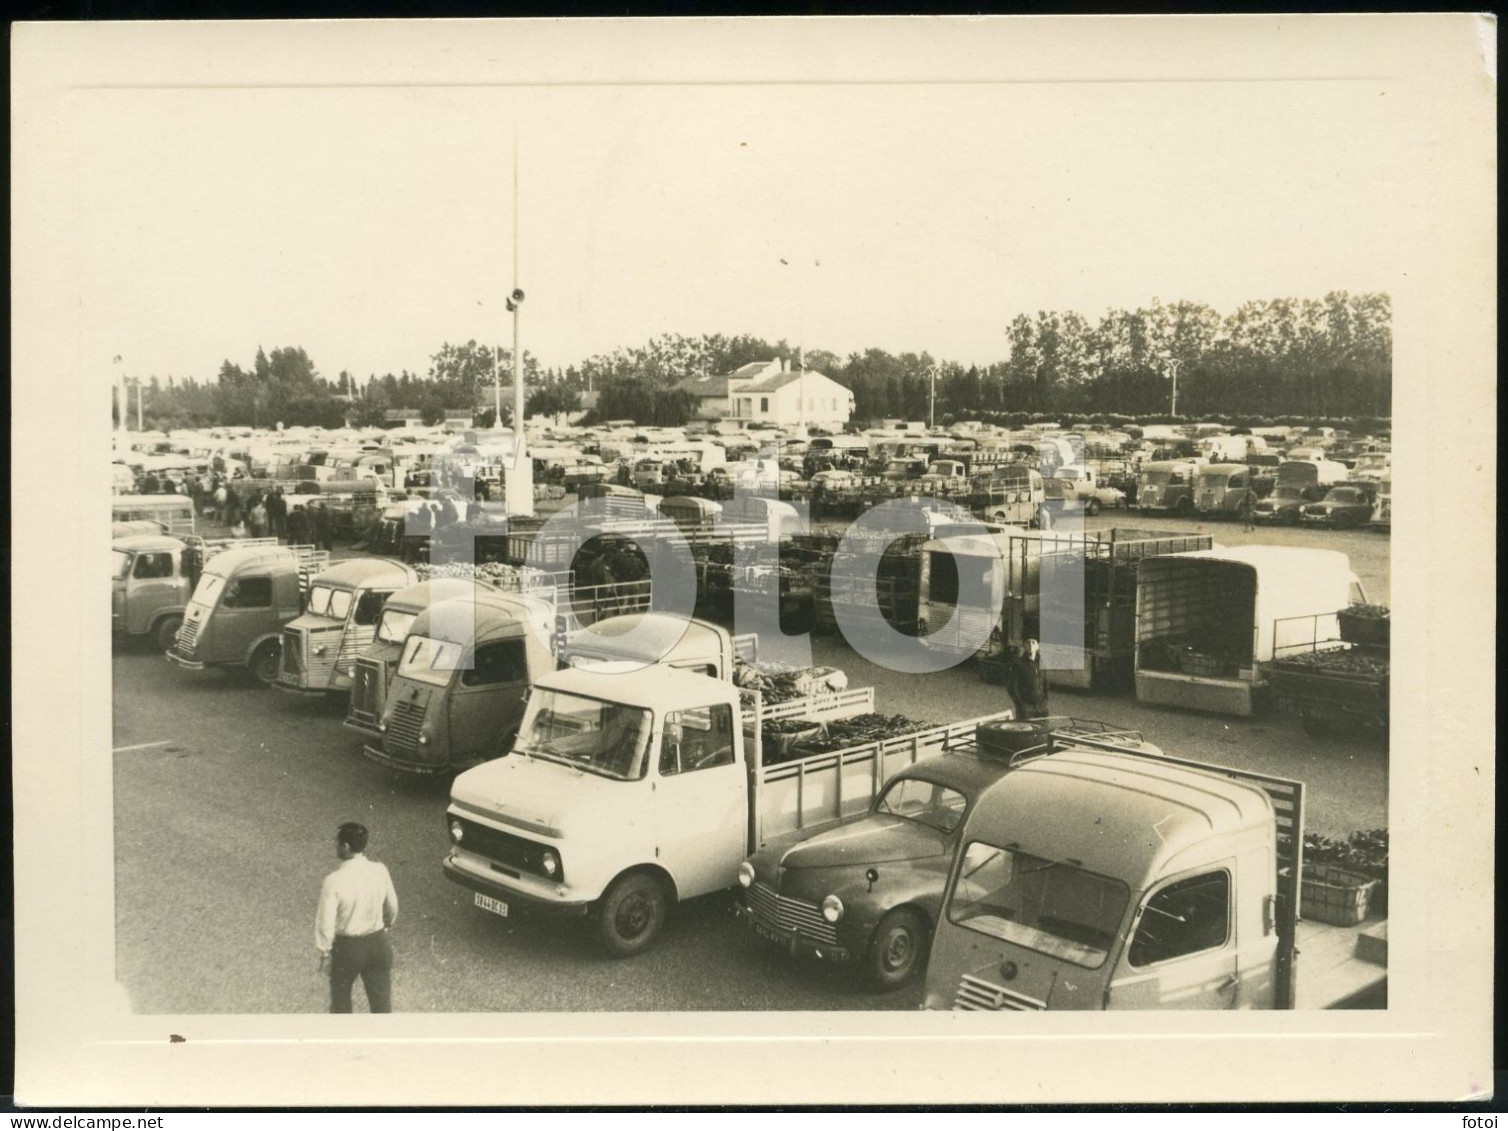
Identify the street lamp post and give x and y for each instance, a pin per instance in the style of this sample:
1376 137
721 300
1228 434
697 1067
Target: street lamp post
1173 364
932 398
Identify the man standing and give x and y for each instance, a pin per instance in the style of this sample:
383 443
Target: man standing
298 526
1027 685
1249 509
277 512
324 535
357 906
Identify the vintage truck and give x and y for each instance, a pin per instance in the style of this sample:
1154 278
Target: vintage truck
1221 490
1078 488
236 614
1074 591
340 618
175 513
1208 621
1166 486
1124 878
627 792
154 576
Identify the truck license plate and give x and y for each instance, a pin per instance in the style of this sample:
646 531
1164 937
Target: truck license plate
496 906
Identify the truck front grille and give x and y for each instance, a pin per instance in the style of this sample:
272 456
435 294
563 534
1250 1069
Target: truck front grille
978 994
504 848
367 685
788 914
293 653
403 728
188 632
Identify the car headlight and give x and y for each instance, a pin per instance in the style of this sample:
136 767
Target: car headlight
551 863
832 909
424 740
457 833
746 875
382 727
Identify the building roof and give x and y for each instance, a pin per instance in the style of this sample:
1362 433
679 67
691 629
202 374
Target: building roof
716 387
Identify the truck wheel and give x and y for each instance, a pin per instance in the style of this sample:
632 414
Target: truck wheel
631 915
898 950
264 662
166 632
1313 723
1092 507
1182 507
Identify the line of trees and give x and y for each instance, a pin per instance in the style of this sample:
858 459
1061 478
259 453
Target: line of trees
1329 357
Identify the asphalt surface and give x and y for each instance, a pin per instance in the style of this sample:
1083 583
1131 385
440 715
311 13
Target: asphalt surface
227 796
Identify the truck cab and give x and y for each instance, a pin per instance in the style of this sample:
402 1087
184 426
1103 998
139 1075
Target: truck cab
151 581
1222 489
625 792
660 638
238 608
174 512
1092 879
1166 486
377 662
457 693
339 619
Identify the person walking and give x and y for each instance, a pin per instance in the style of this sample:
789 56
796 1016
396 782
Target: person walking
1249 510
357 907
1026 683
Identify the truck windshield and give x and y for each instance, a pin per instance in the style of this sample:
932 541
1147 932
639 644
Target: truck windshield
122 564
1050 906
607 739
1158 478
395 625
327 601
208 589
429 660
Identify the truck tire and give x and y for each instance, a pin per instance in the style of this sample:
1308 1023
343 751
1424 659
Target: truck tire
1183 507
1092 507
631 915
264 662
165 633
898 949
1313 722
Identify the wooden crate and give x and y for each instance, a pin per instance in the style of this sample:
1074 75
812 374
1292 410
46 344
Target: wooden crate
1335 895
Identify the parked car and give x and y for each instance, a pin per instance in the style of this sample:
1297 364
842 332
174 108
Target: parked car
880 878
1283 506
1342 507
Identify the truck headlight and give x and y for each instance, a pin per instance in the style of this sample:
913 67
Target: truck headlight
424 740
832 909
746 875
551 863
457 833
319 649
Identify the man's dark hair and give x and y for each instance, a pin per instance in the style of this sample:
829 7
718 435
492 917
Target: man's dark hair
353 836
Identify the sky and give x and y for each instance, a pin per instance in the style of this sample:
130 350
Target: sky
370 226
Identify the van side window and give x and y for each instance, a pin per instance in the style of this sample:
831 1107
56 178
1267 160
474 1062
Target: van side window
697 740
153 565
248 593
369 606
502 662
1183 918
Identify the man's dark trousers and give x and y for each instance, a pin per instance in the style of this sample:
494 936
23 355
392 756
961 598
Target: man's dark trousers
371 958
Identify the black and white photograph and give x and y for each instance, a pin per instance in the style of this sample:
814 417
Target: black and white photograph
659 533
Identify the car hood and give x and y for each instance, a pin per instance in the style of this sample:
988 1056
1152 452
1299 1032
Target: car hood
538 795
879 838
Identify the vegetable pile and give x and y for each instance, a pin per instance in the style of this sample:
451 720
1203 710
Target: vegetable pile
841 734
1364 851
1343 661
778 683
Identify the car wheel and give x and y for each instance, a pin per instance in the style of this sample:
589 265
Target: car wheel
898 950
167 632
264 662
1092 507
631 915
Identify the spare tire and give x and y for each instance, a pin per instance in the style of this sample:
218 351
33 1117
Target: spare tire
1009 736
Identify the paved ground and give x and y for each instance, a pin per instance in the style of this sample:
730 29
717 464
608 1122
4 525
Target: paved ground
226 806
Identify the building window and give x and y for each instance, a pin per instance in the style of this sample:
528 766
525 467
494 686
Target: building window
764 404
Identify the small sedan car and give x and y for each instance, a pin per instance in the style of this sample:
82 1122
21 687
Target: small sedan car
868 892
1342 507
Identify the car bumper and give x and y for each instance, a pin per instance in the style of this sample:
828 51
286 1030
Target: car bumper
192 665
794 943
306 692
466 876
381 756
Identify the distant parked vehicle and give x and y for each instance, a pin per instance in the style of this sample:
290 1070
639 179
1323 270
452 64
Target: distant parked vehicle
1343 507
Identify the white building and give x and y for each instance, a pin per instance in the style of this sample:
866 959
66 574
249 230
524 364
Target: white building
773 392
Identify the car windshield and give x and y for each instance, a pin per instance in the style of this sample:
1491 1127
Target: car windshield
319 600
1050 906
122 564
429 660
208 589
925 802
395 625
607 739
